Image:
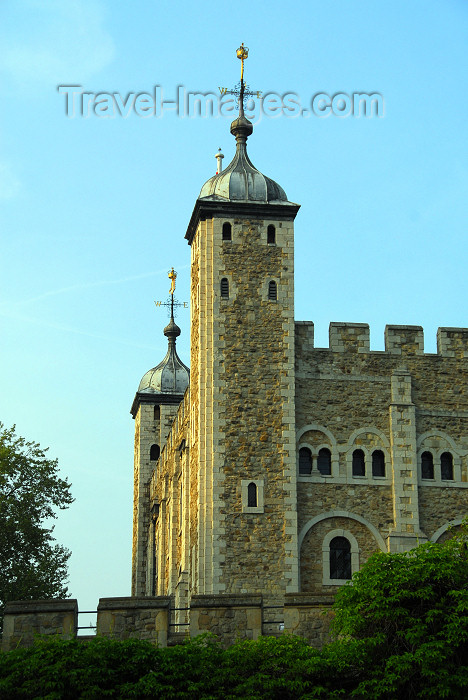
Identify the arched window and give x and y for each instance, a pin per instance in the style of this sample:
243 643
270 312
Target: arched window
324 461
359 464
154 452
271 234
224 288
227 231
252 495
427 465
272 291
305 461
340 558
157 413
446 466
378 463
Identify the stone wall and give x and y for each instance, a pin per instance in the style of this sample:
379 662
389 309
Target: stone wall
401 402
229 617
309 617
139 618
23 621
170 498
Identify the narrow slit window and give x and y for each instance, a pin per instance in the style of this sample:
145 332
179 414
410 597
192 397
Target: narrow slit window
271 234
359 464
157 413
340 558
324 461
154 453
427 465
224 288
227 231
272 291
305 461
378 463
446 466
252 495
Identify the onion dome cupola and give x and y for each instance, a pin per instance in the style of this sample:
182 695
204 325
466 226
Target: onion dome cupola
241 181
240 187
166 383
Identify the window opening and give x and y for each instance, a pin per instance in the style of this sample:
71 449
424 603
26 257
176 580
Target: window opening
154 452
272 291
252 495
446 466
305 461
271 234
227 231
359 465
340 558
224 288
157 413
324 461
427 465
378 463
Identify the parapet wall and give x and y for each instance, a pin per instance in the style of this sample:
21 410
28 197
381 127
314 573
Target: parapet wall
399 340
24 620
229 617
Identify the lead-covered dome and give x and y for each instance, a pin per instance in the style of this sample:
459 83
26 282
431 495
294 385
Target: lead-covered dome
241 181
171 376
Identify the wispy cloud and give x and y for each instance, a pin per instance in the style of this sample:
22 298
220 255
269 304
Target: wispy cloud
9 183
71 329
88 285
52 41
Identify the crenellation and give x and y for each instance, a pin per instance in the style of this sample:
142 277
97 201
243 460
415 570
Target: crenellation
404 340
452 342
349 337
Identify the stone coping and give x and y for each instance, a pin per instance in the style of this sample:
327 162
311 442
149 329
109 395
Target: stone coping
222 600
28 607
133 603
308 599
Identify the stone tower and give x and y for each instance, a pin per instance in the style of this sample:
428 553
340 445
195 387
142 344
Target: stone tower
242 446
154 406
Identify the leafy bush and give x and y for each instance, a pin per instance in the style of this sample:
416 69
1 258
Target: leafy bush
409 611
280 669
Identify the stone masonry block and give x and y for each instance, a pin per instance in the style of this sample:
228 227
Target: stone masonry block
452 342
349 337
404 340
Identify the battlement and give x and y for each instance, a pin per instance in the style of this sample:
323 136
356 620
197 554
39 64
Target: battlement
399 340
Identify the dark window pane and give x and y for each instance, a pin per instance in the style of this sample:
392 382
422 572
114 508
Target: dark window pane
227 231
305 461
252 495
446 466
324 461
427 465
157 413
340 558
154 452
378 463
225 288
271 234
272 291
359 465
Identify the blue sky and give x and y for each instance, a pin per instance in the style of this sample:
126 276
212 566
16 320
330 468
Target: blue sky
93 211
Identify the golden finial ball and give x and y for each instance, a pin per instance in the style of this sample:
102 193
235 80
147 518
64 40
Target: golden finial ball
242 52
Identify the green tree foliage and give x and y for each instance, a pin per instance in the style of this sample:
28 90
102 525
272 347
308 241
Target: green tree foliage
276 669
32 565
404 619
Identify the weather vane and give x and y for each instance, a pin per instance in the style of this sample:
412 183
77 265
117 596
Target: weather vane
171 303
241 90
